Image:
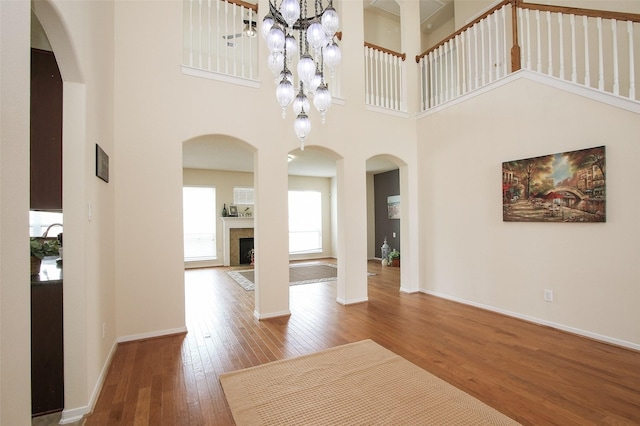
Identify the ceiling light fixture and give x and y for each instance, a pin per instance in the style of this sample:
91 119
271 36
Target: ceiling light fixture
314 48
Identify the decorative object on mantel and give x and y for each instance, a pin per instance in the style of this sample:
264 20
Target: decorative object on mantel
233 211
315 28
224 211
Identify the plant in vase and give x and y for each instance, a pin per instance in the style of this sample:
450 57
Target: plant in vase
252 255
41 248
394 258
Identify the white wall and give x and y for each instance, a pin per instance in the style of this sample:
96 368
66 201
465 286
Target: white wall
15 331
473 256
382 29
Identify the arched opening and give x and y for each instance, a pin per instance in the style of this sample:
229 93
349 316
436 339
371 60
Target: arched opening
385 210
50 34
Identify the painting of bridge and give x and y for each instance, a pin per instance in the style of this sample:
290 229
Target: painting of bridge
563 187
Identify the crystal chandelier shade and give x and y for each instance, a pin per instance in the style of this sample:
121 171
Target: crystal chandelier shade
302 30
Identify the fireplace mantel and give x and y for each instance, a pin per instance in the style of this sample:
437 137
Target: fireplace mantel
227 224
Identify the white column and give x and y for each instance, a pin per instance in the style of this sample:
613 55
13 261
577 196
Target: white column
271 231
352 231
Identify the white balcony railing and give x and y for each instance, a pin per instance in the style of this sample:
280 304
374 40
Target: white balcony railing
216 37
595 49
473 57
384 78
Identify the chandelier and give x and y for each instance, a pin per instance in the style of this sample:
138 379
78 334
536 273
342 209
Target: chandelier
306 33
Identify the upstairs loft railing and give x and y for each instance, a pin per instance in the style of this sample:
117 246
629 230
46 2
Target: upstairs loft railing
384 78
217 37
596 49
215 41
470 58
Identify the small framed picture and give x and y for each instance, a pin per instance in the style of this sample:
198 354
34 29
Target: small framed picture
102 164
233 211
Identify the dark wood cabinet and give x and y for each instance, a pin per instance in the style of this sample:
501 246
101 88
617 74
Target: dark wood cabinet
47 361
46 132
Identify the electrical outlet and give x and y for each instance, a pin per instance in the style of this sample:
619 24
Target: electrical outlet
548 295
394 235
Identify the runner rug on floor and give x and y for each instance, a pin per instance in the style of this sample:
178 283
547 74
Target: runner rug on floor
357 383
300 273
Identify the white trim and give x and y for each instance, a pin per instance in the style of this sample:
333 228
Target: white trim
576 89
387 111
539 321
227 224
211 75
76 414
152 334
351 301
257 315
409 290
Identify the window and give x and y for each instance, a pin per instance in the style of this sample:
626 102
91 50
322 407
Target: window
305 221
39 222
242 196
199 223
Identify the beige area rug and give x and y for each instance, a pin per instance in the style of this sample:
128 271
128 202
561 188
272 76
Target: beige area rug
359 383
300 273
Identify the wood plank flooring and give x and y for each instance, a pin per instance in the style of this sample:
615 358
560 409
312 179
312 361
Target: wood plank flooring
533 374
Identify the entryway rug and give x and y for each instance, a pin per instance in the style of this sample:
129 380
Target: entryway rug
358 383
300 273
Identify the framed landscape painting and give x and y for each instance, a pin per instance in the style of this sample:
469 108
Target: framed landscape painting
564 187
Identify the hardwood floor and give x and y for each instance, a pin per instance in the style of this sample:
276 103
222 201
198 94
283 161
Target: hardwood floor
534 374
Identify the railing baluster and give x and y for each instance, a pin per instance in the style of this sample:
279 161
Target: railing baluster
494 65
600 55
191 35
632 77
587 74
574 69
367 79
616 81
561 37
539 42
386 77
504 42
378 76
218 35
549 45
433 64
490 45
200 33
459 67
209 35
528 34
483 62
475 57
464 63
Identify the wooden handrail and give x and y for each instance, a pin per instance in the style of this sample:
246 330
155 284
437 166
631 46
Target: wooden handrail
591 13
463 29
244 4
402 56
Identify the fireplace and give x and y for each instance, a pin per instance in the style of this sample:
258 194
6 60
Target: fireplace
246 244
234 228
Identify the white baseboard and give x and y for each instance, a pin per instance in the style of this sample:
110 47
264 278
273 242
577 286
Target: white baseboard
409 290
151 335
351 301
539 321
259 316
74 415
